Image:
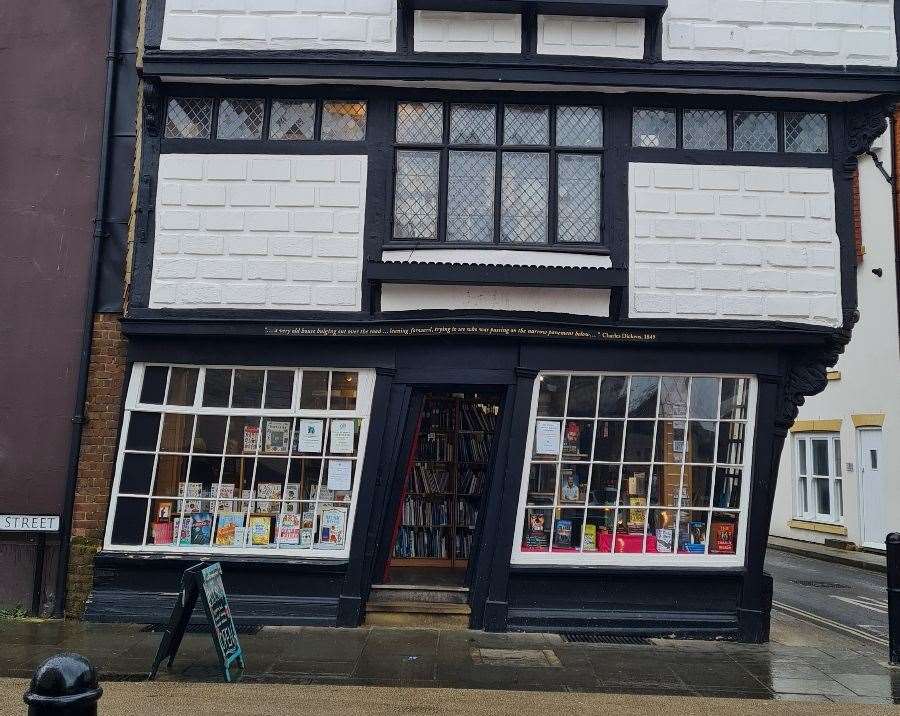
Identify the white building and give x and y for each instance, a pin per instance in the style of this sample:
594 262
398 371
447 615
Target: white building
838 476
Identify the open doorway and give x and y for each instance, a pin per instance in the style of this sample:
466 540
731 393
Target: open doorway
447 472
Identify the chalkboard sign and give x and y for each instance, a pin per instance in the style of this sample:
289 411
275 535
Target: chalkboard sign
204 582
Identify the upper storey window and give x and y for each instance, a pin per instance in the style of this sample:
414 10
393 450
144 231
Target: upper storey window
512 174
739 131
234 118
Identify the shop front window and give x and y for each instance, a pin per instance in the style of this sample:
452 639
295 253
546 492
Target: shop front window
221 459
636 469
819 493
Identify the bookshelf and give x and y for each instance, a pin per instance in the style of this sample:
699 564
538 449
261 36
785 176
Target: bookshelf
445 481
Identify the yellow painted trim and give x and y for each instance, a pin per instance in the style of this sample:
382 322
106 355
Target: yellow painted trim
868 420
833 375
818 527
816 426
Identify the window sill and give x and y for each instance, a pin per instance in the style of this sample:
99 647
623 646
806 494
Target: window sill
563 248
823 527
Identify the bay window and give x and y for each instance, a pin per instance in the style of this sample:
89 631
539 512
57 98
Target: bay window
512 174
819 494
246 460
636 469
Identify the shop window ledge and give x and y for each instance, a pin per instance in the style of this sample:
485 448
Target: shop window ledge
595 8
495 275
823 527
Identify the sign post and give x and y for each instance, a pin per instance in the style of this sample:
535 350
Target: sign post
205 582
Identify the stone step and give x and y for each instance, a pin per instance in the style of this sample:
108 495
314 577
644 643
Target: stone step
413 593
408 607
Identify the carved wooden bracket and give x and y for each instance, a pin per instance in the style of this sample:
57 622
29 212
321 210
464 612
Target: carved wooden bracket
152 108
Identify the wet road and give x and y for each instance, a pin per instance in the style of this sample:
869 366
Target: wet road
846 599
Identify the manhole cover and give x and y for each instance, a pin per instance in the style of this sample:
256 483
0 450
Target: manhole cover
588 638
541 658
204 628
819 585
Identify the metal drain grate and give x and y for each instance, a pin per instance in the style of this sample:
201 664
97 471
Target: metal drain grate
589 638
819 585
204 628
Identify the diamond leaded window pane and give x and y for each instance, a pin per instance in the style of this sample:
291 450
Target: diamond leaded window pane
420 122
189 118
579 127
292 120
524 194
705 129
473 124
755 132
526 124
805 133
240 119
654 128
580 199
416 195
343 121
470 197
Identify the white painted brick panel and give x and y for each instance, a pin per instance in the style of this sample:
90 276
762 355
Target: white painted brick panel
733 242
822 32
590 36
259 232
280 25
467 32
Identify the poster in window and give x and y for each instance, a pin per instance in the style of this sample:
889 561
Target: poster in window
342 433
546 437
340 475
163 511
278 437
332 527
308 436
569 489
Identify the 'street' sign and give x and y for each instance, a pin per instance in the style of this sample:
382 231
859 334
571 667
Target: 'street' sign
29 523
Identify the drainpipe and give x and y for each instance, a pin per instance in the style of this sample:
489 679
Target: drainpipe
78 419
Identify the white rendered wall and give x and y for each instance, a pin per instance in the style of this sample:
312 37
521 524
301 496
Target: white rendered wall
580 301
259 232
820 32
869 370
467 32
280 25
590 36
740 243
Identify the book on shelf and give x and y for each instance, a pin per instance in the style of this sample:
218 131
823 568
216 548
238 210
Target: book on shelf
201 528
562 533
428 479
722 537
537 535
230 529
288 529
474 447
589 538
260 527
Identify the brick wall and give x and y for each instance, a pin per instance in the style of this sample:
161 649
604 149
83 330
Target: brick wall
96 461
280 25
467 32
590 36
733 242
849 32
259 231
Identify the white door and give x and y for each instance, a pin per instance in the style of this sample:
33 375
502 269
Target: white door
874 524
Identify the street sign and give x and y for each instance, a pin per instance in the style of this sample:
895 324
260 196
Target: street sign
204 582
29 523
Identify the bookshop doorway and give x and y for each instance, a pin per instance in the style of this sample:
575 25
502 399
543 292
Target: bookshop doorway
447 472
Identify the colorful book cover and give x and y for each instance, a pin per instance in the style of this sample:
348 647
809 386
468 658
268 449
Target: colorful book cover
665 537
288 529
589 538
260 530
537 535
182 530
571 438
333 526
163 532
722 537
569 489
562 533
278 437
201 528
230 529
635 516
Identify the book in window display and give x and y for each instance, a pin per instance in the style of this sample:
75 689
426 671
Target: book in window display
182 530
260 527
201 528
278 437
722 537
589 538
288 529
307 528
537 536
562 534
230 529
665 539
570 489
332 527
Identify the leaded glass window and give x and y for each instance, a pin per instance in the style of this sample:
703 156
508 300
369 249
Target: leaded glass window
655 128
805 133
499 168
343 121
292 120
189 118
755 132
240 119
705 129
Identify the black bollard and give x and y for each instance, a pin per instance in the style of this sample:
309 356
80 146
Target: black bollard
64 685
893 586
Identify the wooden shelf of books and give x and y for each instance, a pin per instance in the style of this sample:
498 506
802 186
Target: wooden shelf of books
444 485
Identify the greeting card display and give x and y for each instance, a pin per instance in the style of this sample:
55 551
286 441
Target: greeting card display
332 527
278 437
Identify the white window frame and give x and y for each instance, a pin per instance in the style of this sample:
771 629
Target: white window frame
622 559
802 443
362 412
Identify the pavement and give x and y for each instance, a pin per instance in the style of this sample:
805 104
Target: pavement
850 558
127 699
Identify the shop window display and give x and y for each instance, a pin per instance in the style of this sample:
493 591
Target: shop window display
240 459
636 469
